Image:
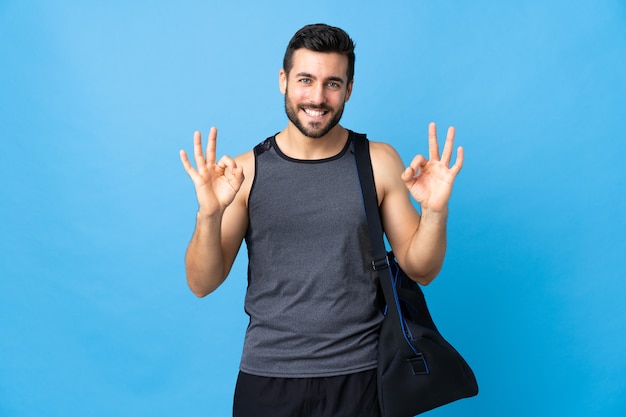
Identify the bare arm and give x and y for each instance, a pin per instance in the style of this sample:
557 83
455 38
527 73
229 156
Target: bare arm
419 243
221 220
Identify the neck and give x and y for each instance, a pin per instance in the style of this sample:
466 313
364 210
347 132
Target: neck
298 146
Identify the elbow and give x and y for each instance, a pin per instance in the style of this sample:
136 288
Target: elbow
422 269
426 277
202 288
199 292
199 282
424 280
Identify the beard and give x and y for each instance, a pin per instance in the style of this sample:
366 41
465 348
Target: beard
313 130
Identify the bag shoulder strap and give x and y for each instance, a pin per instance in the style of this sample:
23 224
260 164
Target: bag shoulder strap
382 258
370 200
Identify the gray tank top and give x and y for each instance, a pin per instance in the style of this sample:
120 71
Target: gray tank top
312 296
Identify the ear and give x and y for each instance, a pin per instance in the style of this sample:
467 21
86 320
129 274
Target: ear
282 81
349 90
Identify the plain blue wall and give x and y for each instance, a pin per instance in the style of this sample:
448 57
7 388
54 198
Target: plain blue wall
96 211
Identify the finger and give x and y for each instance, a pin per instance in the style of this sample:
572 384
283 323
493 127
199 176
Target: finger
458 164
414 167
418 162
184 159
197 149
211 146
227 164
408 174
232 172
238 174
446 156
186 164
433 146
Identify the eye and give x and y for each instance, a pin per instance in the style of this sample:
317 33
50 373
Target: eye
304 80
333 84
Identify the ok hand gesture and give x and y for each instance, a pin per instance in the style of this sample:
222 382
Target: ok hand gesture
216 183
430 181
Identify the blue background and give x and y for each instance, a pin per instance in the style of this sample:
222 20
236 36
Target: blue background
96 211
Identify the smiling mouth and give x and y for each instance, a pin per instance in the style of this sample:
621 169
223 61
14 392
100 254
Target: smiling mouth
315 112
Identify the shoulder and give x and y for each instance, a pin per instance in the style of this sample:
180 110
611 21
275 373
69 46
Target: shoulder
246 161
383 153
387 167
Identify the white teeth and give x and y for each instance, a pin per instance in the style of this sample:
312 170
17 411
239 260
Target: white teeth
314 113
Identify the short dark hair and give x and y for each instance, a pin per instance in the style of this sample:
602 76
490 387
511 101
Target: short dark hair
321 38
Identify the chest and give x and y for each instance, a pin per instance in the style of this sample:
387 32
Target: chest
297 198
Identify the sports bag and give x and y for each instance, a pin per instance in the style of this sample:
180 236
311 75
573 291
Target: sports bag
418 370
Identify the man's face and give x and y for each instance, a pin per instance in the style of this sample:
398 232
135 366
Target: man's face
316 90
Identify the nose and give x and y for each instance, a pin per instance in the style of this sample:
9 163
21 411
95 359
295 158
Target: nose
317 94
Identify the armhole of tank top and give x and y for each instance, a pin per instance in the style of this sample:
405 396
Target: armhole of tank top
258 150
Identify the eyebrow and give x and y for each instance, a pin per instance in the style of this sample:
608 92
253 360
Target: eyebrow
332 78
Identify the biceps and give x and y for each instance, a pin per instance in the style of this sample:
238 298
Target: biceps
400 219
234 227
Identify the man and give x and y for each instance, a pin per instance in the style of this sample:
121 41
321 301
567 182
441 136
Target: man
310 347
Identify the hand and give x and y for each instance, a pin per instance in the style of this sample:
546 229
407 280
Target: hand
430 181
216 183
